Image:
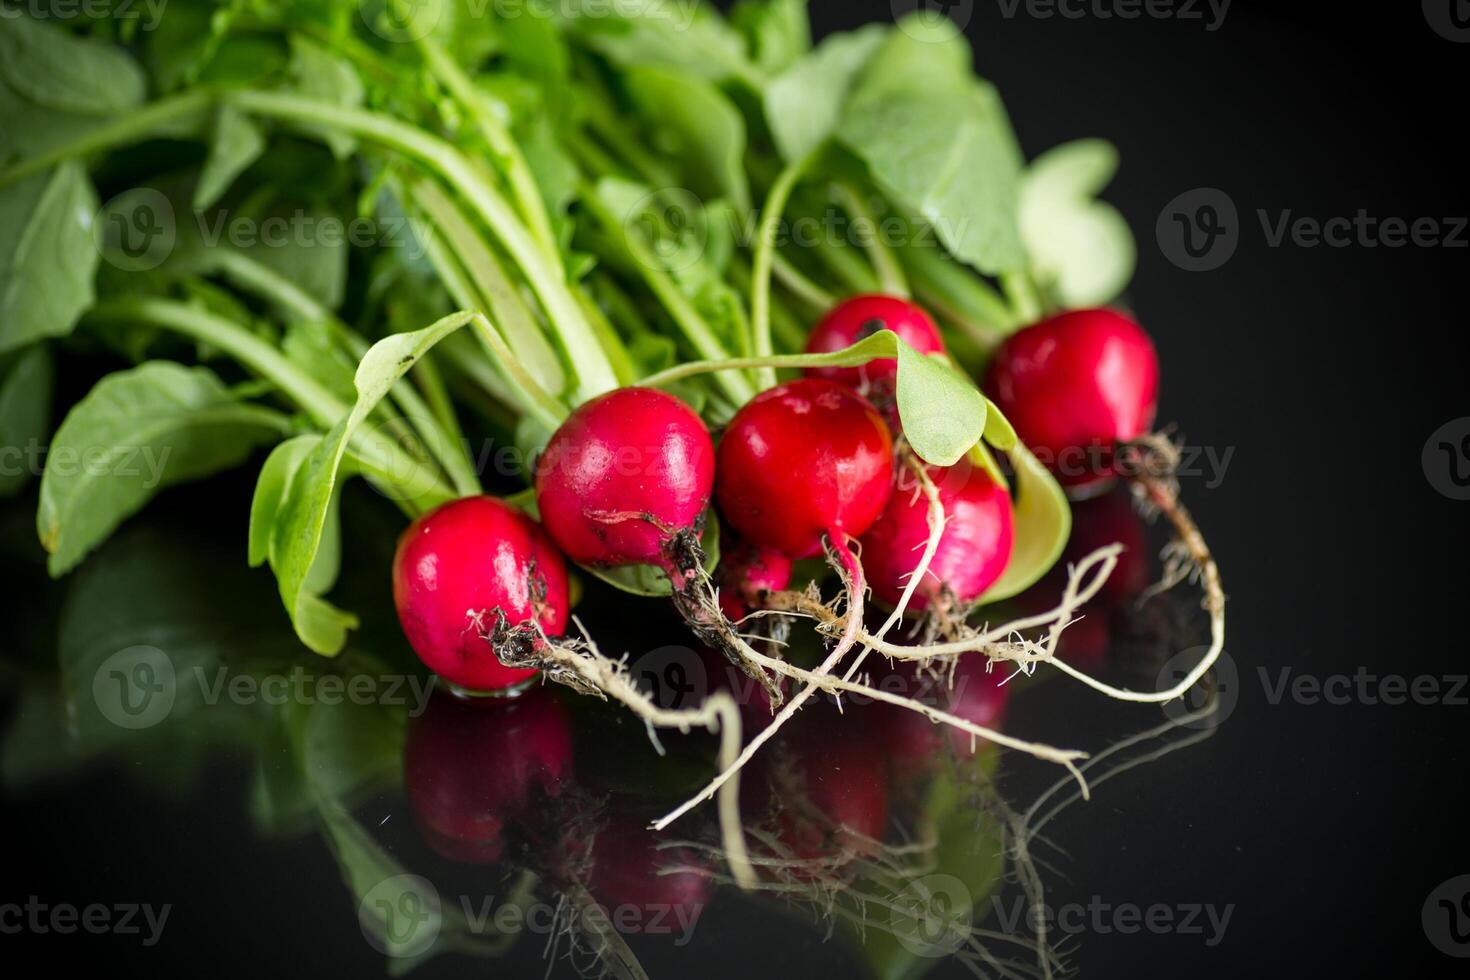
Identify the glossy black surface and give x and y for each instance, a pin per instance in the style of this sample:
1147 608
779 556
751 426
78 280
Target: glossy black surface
1323 827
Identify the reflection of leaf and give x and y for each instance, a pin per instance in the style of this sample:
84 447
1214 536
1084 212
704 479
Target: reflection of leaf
25 414
1080 247
1043 523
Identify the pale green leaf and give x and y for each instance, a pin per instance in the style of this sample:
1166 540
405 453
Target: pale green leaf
1081 248
942 412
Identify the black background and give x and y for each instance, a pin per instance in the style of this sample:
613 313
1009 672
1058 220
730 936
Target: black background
1326 369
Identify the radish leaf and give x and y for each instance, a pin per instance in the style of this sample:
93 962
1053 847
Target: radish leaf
1043 524
943 414
135 433
47 256
804 103
1080 247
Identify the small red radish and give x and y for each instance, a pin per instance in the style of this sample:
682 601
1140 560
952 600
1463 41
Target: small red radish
746 572
1075 386
471 769
463 567
979 532
626 480
860 317
802 461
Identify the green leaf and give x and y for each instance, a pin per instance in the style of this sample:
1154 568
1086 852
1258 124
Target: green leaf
1043 523
701 126
804 103
672 35
942 412
235 144
937 142
317 72
135 433
25 414
649 580
47 255
998 429
271 488
301 525
58 70
1081 248
777 31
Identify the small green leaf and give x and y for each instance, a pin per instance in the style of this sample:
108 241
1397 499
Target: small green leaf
301 524
235 144
271 488
56 69
804 103
1043 523
25 414
998 429
135 433
47 256
1081 248
777 31
943 414
703 128
317 72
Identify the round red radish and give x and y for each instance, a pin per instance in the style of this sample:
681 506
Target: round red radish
746 572
803 460
973 550
624 476
854 319
1076 385
470 768
461 567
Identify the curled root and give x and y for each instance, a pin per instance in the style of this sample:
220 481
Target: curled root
580 665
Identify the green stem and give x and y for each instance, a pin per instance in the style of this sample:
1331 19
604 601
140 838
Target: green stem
497 293
765 248
881 344
538 400
445 443
383 457
594 374
528 196
696 330
885 263
800 285
847 266
138 124
1022 295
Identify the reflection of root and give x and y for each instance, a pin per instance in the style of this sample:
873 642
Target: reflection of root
581 666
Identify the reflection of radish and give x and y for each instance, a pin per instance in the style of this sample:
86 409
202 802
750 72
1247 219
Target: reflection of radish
631 872
1111 519
465 566
973 551
839 800
1075 386
470 768
977 695
860 317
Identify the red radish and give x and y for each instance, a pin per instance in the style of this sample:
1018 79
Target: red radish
470 769
853 320
746 572
801 461
979 532
461 569
626 479
1076 385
